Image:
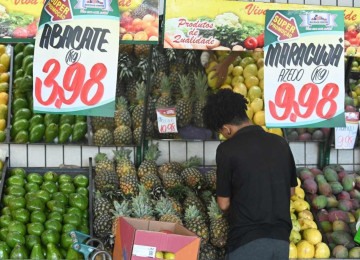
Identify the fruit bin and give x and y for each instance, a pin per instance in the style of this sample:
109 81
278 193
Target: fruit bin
57 213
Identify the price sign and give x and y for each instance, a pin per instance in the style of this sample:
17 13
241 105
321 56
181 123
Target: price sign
166 118
345 136
144 251
303 61
75 61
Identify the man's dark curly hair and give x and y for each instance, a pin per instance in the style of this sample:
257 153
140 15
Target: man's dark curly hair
224 107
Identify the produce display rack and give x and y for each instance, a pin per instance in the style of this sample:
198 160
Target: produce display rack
72 171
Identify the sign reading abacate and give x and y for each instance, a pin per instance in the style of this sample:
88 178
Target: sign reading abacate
75 71
304 56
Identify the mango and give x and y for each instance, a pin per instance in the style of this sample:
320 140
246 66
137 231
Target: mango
338 215
348 182
330 174
310 186
319 202
340 251
332 202
326 226
324 188
343 238
339 225
354 253
336 187
345 205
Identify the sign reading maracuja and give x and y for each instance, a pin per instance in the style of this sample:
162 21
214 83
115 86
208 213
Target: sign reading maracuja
74 65
304 56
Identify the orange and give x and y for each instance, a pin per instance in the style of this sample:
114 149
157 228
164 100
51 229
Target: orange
151 31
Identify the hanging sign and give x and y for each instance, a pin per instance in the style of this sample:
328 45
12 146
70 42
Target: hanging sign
75 64
166 118
345 136
236 25
303 60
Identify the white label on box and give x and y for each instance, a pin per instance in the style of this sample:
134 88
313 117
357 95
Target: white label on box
144 251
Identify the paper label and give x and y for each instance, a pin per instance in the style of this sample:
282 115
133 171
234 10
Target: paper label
144 251
166 118
345 136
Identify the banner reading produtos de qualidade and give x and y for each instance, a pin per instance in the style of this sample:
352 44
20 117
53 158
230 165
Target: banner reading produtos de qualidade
304 68
75 71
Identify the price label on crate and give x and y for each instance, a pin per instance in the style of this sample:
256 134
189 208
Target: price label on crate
345 136
75 61
144 251
304 56
166 118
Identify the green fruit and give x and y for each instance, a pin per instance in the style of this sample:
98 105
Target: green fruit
56 215
67 228
18 172
5 220
17 226
3 233
49 186
19 252
32 186
37 252
81 181
15 190
76 211
31 240
4 250
53 224
56 206
17 203
63 178
29 49
35 178
35 204
38 216
15 180
79 201
5 211
72 219
67 188
35 228
51 176
61 197
14 238
22 215
44 195
50 236
66 241
83 191
52 251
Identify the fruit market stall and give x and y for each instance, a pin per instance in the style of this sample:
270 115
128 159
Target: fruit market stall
143 172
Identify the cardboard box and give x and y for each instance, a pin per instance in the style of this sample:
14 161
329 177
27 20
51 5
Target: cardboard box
137 239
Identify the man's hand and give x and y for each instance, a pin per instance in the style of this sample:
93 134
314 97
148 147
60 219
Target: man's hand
224 203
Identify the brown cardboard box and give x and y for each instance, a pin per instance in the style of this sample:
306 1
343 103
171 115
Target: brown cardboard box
138 239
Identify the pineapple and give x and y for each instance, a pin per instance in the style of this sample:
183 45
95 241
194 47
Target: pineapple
149 132
193 200
165 100
175 167
193 66
166 212
210 179
156 80
206 197
149 164
176 68
162 61
142 50
138 111
201 91
130 90
106 181
219 226
183 105
122 114
129 185
103 163
124 166
102 225
150 181
171 180
126 48
176 205
192 176
101 205
121 210
123 135
99 122
142 206
103 137
125 65
208 252
195 223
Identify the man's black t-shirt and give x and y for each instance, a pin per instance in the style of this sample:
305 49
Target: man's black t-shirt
256 170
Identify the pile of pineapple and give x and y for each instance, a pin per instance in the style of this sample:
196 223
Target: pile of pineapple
244 76
172 192
305 238
177 80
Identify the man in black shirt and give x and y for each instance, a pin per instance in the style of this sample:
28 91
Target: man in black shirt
256 175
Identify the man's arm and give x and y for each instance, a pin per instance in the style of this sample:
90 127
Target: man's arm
292 191
224 203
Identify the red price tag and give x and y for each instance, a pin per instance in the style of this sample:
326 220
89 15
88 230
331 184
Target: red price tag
74 85
309 101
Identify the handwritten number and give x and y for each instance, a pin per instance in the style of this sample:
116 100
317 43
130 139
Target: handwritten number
284 98
49 82
308 98
97 73
330 91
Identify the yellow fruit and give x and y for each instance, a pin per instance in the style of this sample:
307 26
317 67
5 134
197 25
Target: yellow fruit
222 138
322 250
305 249
4 77
306 223
353 94
312 235
257 104
226 86
237 71
265 128
4 97
357 90
292 209
301 205
212 79
292 251
295 236
250 113
251 81
236 80
276 131
2 68
250 70
293 216
306 214
5 60
299 192
261 84
298 182
351 217
260 73
2 124
254 92
159 255
230 69
2 49
259 118
240 89
169 255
